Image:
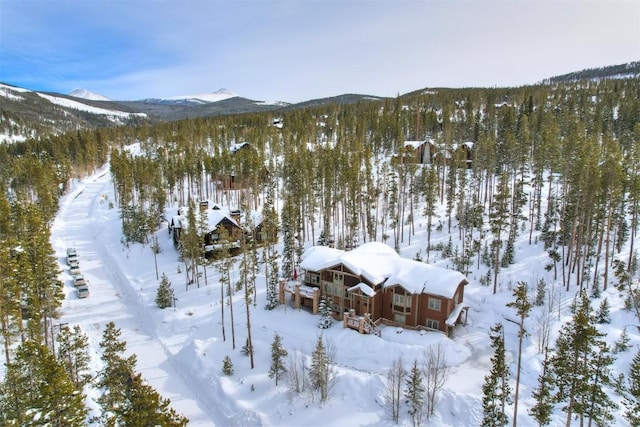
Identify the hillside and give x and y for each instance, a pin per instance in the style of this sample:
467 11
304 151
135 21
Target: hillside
621 71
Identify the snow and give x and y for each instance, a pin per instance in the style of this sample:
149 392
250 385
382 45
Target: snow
6 91
219 95
85 94
68 103
180 350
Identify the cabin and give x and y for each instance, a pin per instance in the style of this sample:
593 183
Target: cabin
218 222
374 282
243 171
464 153
419 151
459 155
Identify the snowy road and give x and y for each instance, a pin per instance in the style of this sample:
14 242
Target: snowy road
82 223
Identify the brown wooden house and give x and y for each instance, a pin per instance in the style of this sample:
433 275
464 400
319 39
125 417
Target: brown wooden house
374 281
220 222
245 169
419 151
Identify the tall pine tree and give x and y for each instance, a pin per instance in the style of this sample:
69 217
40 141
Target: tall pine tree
496 390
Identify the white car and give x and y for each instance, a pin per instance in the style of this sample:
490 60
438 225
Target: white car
83 291
74 270
79 280
72 257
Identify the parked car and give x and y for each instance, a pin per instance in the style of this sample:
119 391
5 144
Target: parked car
83 291
72 257
74 270
79 280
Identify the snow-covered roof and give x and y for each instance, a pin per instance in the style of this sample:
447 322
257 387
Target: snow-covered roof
416 144
214 217
364 288
379 263
453 317
237 146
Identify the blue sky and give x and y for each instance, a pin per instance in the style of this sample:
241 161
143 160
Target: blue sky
298 50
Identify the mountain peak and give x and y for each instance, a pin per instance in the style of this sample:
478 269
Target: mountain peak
88 95
219 95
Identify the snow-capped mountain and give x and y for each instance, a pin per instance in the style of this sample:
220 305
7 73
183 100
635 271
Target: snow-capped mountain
30 114
88 95
219 95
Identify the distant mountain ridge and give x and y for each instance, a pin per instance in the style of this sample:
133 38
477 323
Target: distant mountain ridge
621 71
29 114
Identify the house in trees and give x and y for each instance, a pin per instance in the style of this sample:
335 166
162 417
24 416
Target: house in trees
464 153
219 223
246 168
458 155
374 282
419 151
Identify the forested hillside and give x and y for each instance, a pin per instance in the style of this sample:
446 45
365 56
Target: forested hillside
342 172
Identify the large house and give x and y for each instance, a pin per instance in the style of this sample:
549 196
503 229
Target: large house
375 282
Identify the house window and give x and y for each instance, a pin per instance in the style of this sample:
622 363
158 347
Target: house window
434 304
314 279
402 300
400 318
433 324
338 278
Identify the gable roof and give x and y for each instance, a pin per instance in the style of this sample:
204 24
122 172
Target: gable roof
380 264
215 216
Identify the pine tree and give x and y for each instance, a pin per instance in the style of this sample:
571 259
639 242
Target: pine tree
580 367
37 391
523 307
496 390
324 309
115 375
542 410
631 399
321 373
227 366
602 315
498 218
414 393
278 353
165 295
541 290
126 399
622 344
73 353
145 407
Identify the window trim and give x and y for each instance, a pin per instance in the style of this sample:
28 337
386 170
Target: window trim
430 324
432 306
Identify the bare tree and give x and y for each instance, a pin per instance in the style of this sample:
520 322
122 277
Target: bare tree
295 375
436 371
393 390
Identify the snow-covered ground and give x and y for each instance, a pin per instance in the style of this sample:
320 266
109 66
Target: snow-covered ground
180 350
